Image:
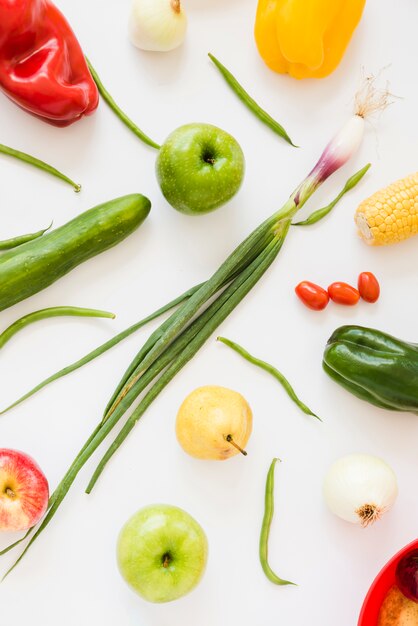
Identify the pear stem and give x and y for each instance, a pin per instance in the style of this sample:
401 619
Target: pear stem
232 442
175 5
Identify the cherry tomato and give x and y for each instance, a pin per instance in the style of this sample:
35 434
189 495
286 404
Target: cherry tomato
341 293
312 296
368 287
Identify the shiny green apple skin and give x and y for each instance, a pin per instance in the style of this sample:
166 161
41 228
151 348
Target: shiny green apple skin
199 168
162 552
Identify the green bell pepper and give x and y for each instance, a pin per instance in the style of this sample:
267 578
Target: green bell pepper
374 366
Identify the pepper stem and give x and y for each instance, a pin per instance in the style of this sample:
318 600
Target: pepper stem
230 440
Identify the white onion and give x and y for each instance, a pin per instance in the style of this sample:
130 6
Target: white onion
157 25
359 488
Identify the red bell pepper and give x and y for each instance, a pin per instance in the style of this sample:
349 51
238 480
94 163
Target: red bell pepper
42 66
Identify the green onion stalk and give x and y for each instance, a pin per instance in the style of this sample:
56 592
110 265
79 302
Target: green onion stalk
175 342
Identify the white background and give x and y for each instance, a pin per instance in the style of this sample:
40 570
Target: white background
70 576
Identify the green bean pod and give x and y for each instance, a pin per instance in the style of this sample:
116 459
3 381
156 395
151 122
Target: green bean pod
41 165
37 264
319 214
250 103
265 528
43 314
118 111
14 242
271 370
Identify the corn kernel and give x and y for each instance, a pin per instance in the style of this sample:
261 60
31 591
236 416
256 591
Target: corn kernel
391 214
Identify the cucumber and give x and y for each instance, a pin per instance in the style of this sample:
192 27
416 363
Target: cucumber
37 264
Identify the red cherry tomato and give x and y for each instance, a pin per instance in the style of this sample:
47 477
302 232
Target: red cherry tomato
341 293
312 296
368 287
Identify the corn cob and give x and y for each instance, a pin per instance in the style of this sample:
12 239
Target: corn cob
391 214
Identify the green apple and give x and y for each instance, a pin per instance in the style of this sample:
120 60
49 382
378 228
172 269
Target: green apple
199 168
162 552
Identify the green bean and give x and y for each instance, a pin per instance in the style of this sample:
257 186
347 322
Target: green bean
14 242
58 311
316 216
101 349
249 102
118 111
271 370
265 528
27 158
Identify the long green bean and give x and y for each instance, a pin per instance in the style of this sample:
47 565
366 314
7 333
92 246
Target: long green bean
101 349
265 528
118 111
14 242
316 216
42 314
249 102
271 370
41 165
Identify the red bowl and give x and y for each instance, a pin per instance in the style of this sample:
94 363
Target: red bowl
380 586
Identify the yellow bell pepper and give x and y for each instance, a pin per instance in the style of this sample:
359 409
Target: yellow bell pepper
305 38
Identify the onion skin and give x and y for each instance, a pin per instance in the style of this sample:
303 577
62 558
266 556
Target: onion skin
360 488
157 25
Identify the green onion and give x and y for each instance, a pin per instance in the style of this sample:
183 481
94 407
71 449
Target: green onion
180 337
14 242
186 346
101 349
250 103
58 311
41 165
316 216
271 370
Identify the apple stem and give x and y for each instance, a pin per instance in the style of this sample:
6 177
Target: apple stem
175 5
232 442
10 493
166 560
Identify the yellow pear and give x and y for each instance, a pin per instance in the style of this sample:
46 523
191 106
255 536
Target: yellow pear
214 423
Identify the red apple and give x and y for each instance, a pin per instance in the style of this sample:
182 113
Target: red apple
24 491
